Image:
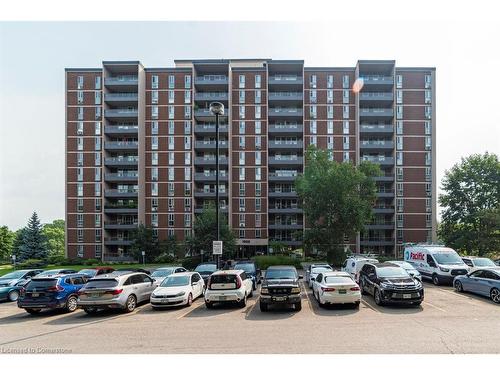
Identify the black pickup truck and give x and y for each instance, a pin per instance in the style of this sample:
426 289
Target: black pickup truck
280 286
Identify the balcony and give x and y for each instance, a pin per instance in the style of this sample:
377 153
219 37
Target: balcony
209 194
204 114
120 209
282 194
276 160
209 129
121 161
209 177
122 82
385 193
283 176
364 241
388 177
377 82
201 160
285 226
121 113
380 225
121 145
376 113
116 224
376 145
286 145
121 98
383 210
382 160
211 81
121 177
121 129
116 193
286 129
117 241
209 145
376 97
285 242
284 112
200 209
285 210
376 129
284 97
285 81
211 96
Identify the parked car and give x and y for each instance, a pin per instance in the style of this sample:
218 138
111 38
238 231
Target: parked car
435 262
412 271
178 289
497 262
55 272
134 269
485 282
228 286
478 263
315 271
58 292
251 269
117 290
280 286
97 271
162 273
336 288
307 276
12 282
353 265
388 283
206 269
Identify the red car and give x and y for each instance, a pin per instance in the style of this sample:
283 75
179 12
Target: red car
96 271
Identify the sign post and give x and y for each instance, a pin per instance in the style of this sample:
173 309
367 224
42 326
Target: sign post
14 260
143 257
217 250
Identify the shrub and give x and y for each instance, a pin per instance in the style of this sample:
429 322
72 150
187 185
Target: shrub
264 261
91 262
32 263
164 258
190 263
56 260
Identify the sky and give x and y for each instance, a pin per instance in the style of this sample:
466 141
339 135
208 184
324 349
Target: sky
464 49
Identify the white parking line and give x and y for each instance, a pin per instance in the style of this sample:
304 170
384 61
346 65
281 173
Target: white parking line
365 302
188 310
431 305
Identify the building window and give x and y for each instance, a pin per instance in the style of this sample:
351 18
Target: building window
97 174
154 112
258 97
98 251
187 111
171 189
187 96
428 175
313 111
399 112
171 174
97 128
79 128
399 96
399 127
97 113
313 81
345 111
79 82
313 140
98 235
258 220
241 141
313 128
187 173
242 189
346 142
258 189
242 81
428 112
154 189
154 82
187 204
154 143
399 158
79 205
80 113
258 174
258 158
242 97
329 143
345 82
154 127
242 220
171 128
79 159
171 81
258 127
428 81
97 144
428 187
428 143
427 204
171 158
399 189
98 205
258 81
399 174
154 174
428 127
242 158
345 96
313 96
258 204
242 174
187 81
242 112
97 98
257 111
154 219
97 159
242 127
79 144
399 204
329 127
241 233
428 160
187 220
400 235
154 204
187 127
171 112
187 142
187 158
258 233
399 81
154 97
399 220
345 127
428 220
258 142
345 156
79 97
79 220
242 204
171 143
329 111
154 158
399 143
329 81
97 189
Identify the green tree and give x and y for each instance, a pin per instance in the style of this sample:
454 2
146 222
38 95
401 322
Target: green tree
54 234
144 240
471 202
204 232
7 238
32 242
337 200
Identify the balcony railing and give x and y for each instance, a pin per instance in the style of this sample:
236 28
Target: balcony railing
376 112
375 128
211 96
372 79
385 160
285 95
121 129
121 112
119 145
121 96
287 111
122 79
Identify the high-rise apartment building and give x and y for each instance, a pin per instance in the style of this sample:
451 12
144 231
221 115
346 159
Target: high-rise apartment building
140 148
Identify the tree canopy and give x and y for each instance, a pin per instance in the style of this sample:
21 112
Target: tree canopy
32 243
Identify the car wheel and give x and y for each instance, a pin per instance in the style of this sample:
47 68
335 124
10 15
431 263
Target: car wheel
263 307
33 311
251 293
298 306
495 295
320 303
209 305
362 287
71 304
190 300
435 280
130 304
356 305
377 297
458 286
254 285
90 310
243 302
13 295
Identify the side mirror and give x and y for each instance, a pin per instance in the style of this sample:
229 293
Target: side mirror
313 279
193 284
301 277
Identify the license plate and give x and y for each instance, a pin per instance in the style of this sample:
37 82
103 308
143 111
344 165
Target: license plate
342 291
35 294
95 295
406 296
222 298
279 298
164 300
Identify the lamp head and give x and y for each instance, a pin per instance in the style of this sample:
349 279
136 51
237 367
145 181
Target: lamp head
217 108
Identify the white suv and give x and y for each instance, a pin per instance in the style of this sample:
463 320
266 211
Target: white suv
228 286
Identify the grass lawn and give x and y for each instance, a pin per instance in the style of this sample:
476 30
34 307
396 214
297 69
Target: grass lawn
8 268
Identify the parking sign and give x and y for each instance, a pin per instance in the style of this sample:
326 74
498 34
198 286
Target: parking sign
217 247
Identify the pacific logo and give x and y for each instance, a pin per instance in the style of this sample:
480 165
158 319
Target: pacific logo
417 256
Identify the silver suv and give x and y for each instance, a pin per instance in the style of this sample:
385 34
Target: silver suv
116 291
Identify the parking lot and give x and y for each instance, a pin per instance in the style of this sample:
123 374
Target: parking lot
446 322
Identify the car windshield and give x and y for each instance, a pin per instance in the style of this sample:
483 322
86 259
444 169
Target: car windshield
101 284
175 281
338 280
484 262
247 267
280 274
49 272
206 268
13 275
391 272
321 269
162 273
447 257
89 272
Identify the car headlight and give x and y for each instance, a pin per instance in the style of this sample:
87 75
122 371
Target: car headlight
295 290
264 291
444 269
180 294
386 285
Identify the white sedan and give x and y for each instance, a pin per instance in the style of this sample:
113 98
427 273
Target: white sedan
336 288
315 271
178 289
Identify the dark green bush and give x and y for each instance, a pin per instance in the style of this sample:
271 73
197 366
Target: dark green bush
191 262
32 263
164 258
264 261
56 260
91 262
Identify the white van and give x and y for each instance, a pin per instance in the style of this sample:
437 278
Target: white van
353 264
435 262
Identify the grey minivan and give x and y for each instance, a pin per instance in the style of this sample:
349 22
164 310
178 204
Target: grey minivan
116 291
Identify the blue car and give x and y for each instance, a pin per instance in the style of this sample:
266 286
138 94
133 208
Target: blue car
58 292
11 283
485 282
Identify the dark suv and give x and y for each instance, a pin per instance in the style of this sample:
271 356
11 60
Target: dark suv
280 286
389 283
251 269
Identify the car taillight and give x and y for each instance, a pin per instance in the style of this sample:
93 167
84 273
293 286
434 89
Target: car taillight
238 282
209 282
116 291
55 288
327 289
355 288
